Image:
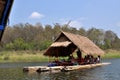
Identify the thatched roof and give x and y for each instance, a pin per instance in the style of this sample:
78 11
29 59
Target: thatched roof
75 41
60 44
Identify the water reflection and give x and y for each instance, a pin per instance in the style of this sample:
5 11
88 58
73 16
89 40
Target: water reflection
13 71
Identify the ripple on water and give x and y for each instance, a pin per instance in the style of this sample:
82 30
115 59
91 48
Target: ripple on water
13 71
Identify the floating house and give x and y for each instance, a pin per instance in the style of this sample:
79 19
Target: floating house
67 43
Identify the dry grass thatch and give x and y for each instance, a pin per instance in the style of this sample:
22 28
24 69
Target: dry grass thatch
77 41
60 44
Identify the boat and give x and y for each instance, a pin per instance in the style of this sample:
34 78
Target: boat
65 45
40 69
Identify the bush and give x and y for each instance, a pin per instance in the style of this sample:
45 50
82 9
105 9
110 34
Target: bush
6 58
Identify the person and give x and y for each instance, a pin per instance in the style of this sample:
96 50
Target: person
88 59
79 54
70 57
85 60
98 59
71 60
91 59
80 60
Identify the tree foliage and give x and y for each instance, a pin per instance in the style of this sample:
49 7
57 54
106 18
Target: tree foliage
38 37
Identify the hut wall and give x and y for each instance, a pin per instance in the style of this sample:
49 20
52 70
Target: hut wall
62 38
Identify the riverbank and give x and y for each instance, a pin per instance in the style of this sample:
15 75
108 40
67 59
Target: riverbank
22 56
37 56
111 54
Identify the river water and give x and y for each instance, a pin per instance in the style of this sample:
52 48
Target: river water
13 71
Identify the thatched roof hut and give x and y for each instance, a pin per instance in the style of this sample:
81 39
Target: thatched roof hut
67 43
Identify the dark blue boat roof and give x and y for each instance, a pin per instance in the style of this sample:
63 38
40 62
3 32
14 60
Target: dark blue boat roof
5 7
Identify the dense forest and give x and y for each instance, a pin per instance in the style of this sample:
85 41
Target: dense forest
39 37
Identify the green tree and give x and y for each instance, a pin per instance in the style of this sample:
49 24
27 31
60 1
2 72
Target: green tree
96 35
116 43
19 44
82 31
107 44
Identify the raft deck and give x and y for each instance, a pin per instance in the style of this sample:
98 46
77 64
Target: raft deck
61 68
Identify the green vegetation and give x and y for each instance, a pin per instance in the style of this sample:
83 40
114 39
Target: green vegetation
111 54
38 37
37 56
25 42
22 56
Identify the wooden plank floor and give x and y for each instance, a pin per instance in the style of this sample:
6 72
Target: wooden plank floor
61 68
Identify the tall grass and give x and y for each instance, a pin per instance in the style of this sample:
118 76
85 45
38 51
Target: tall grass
37 56
22 56
111 54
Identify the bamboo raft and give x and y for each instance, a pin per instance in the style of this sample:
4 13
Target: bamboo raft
61 68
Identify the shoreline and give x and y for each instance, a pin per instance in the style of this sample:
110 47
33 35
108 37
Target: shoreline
37 56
